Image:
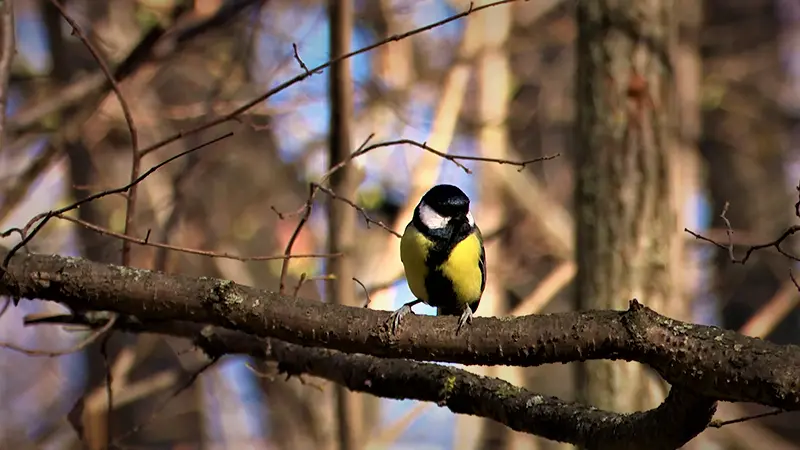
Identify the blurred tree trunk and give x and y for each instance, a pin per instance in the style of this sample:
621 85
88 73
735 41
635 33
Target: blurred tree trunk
745 151
541 122
342 217
69 59
625 210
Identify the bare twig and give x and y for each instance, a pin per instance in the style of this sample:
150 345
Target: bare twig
424 146
361 210
729 247
722 423
126 111
366 292
192 251
288 251
299 60
7 51
299 284
79 346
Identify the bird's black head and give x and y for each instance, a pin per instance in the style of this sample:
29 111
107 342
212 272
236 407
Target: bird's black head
443 213
447 200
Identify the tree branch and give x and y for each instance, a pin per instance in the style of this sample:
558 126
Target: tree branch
681 417
710 361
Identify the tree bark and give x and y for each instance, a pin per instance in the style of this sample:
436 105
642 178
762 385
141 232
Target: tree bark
342 220
624 207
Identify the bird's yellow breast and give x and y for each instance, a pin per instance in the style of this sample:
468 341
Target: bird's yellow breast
463 270
461 267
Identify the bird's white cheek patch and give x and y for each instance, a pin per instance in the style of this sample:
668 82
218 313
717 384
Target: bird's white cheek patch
431 218
470 219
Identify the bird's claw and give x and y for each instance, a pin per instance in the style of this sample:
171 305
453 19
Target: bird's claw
466 317
397 316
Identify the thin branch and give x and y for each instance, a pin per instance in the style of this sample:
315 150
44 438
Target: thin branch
126 112
192 251
361 210
424 146
93 336
776 243
722 423
288 251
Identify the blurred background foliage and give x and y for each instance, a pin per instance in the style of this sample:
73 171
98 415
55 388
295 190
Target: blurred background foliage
497 84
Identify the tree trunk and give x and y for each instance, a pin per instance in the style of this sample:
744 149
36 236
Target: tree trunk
625 212
342 218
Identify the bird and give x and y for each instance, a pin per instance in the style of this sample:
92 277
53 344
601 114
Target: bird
443 256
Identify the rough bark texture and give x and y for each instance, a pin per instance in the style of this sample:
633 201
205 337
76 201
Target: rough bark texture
711 361
625 215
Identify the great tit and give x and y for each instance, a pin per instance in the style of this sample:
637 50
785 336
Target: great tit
443 256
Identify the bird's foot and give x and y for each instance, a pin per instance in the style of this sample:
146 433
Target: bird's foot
397 316
466 317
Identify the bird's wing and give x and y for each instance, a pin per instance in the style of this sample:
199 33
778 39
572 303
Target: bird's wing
482 261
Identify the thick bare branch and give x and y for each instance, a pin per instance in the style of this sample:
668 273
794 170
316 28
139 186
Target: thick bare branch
681 417
710 361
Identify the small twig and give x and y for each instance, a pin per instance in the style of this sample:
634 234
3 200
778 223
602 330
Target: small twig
299 60
424 146
775 243
728 229
361 210
79 346
126 112
366 292
722 423
44 218
729 247
303 219
193 251
299 284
